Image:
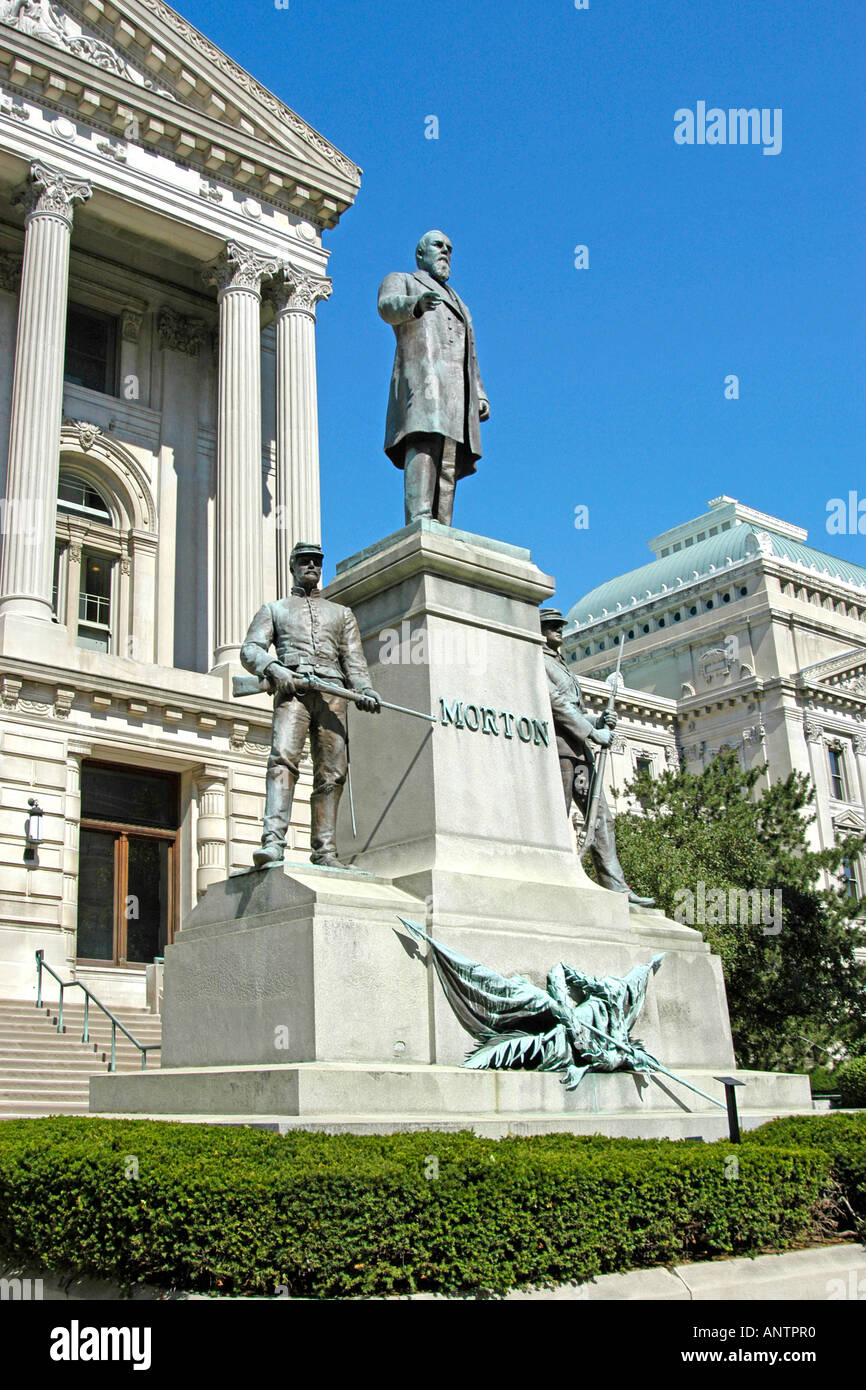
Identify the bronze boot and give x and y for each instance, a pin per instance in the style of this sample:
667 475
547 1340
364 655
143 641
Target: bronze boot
323 826
279 791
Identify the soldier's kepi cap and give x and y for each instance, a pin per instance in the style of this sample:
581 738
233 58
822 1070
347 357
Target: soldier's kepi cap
551 617
303 548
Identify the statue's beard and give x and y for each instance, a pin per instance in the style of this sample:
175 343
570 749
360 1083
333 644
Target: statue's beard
441 270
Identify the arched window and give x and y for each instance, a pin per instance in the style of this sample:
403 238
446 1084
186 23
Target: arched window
105 537
87 550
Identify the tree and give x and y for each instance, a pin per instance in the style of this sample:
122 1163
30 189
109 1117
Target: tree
787 944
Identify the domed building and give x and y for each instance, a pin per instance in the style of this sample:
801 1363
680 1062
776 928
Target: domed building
757 640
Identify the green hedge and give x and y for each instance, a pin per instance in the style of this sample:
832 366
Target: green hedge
244 1211
841 1137
851 1083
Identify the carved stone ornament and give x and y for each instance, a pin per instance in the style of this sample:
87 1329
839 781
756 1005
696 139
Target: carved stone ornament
10 689
86 433
765 543
130 325
48 193
39 19
8 107
113 149
295 291
672 757
812 728
63 703
860 743
239 268
716 662
10 272
180 333
755 734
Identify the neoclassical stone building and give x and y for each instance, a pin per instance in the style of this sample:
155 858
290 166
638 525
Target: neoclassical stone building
161 259
749 637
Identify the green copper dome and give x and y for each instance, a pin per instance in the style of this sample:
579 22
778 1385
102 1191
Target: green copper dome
707 559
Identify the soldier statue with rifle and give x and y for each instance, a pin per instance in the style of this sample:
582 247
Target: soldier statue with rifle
318 665
582 747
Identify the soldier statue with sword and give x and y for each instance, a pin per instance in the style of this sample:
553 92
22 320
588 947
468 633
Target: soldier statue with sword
319 665
581 763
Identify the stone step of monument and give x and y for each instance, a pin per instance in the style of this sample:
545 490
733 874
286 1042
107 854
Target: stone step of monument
664 1124
306 1092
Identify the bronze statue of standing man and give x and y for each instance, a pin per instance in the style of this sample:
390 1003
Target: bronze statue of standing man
437 399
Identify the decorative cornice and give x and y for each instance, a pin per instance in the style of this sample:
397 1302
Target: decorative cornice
39 19
49 193
239 268
180 333
216 58
295 291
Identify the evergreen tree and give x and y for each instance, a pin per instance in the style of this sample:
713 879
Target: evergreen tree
789 988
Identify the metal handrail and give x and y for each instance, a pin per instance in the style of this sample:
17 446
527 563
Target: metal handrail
42 964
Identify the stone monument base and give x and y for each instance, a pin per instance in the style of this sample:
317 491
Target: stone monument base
294 998
295 994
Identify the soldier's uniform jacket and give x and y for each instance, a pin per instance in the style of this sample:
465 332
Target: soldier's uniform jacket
571 722
312 636
436 386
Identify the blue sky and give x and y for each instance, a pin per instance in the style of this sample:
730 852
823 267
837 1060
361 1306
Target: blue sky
556 129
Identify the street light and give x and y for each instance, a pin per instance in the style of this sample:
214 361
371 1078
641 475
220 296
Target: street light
33 829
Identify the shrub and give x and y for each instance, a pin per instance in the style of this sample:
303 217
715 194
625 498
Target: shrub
244 1211
823 1081
843 1140
851 1083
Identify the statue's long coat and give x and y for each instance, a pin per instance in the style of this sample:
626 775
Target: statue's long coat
423 399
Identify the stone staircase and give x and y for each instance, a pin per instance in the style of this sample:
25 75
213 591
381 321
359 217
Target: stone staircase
43 1072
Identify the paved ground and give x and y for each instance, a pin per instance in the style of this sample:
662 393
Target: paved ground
825 1274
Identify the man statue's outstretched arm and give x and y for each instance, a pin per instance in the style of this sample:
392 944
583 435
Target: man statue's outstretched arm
395 305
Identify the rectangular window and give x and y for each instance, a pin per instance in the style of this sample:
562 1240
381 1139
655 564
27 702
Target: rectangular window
838 782
849 878
94 602
91 350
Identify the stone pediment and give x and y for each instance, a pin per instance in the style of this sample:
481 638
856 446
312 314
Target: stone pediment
189 98
846 672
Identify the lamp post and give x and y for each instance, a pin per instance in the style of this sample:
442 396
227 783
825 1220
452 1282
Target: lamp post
33 830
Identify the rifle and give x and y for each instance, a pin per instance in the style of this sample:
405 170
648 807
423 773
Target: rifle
587 837
259 685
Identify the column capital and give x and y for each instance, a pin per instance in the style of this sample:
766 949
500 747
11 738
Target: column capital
296 291
50 193
239 268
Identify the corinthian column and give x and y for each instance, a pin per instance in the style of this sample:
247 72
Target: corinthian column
27 563
238 274
294 296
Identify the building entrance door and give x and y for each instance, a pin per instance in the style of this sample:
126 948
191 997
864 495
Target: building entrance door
128 872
